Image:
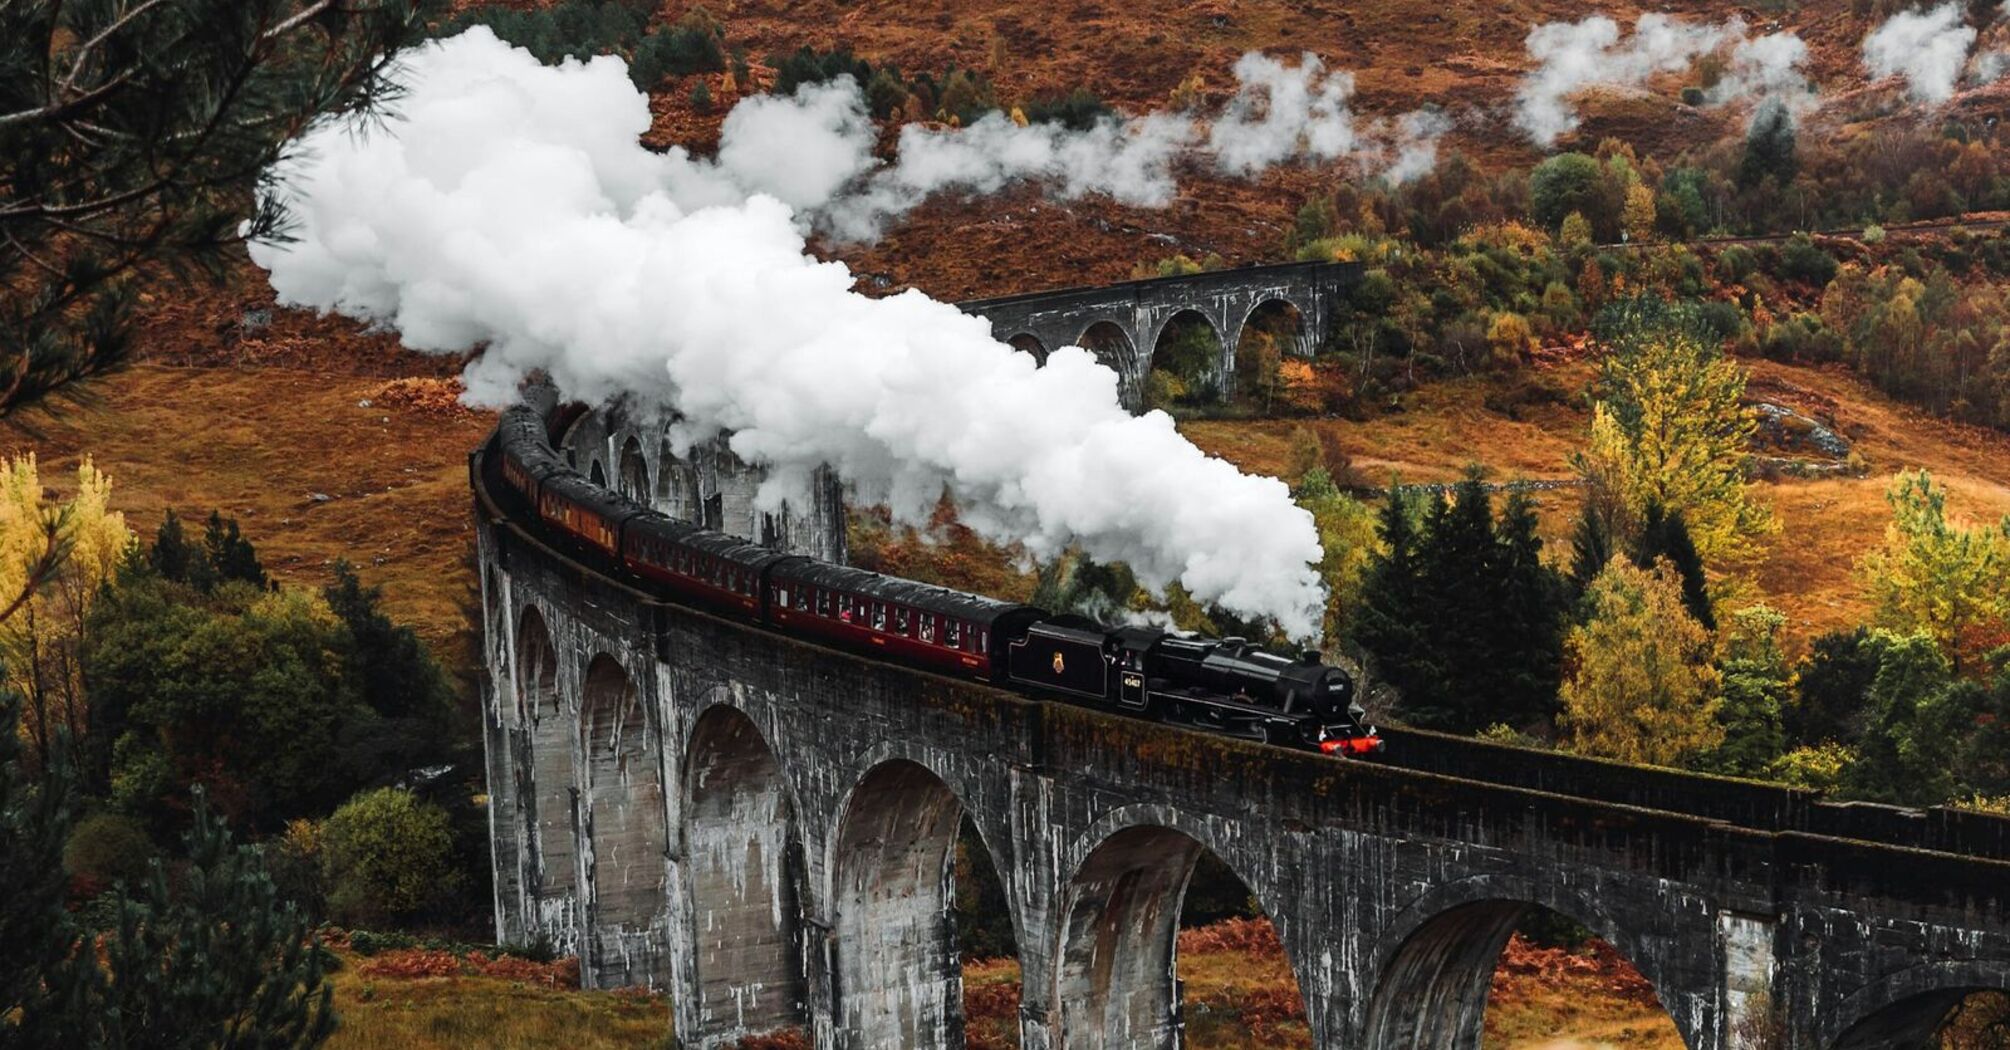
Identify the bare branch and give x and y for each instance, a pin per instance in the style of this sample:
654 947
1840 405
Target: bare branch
84 51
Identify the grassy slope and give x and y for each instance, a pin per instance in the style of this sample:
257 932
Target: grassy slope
1826 524
259 443
379 1012
1240 994
263 444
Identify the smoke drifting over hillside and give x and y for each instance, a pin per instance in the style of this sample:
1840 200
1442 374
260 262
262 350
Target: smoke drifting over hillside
1278 114
813 150
1930 49
1572 56
510 205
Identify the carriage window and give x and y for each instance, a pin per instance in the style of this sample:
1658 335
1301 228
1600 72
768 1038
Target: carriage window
983 637
928 627
879 616
823 603
844 607
803 599
902 619
952 634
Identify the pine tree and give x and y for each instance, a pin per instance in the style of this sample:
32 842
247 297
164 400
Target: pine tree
1770 147
1932 575
223 962
1460 613
397 676
1591 548
1526 653
1458 571
44 991
229 554
1831 688
132 138
1389 626
172 556
1665 536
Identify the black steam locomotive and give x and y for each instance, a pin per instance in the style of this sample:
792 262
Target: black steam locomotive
1226 686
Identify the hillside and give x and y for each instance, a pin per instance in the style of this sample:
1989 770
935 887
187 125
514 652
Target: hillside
266 443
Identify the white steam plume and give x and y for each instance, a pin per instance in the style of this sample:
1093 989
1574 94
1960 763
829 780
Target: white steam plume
813 150
1415 144
1130 161
1279 114
510 205
1571 56
1929 48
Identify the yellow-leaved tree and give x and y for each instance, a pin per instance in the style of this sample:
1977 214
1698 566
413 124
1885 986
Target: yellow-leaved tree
40 641
1669 430
1935 576
1642 687
1638 215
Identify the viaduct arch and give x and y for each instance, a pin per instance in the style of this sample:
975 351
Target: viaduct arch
1123 323
760 826
791 810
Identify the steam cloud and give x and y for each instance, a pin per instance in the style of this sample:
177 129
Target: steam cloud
511 204
1571 56
1929 48
1279 114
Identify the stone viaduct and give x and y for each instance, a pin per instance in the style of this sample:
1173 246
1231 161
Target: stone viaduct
764 829
1122 323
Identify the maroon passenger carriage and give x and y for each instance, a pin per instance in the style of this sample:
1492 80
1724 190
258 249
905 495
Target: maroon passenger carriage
1225 686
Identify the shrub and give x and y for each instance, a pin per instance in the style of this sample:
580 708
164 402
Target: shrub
1510 336
1873 234
388 857
1802 261
294 859
366 942
1565 183
1078 110
1736 263
108 848
808 66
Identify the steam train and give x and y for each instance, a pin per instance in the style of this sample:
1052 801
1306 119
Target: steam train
1226 686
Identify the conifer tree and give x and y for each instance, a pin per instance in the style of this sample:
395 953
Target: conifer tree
44 993
1590 548
218 960
1664 536
230 555
1831 688
171 555
1533 612
1461 615
133 137
1388 626
1770 147
1934 576
397 676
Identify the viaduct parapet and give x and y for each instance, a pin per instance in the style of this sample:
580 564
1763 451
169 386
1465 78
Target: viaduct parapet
708 485
764 829
1122 323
